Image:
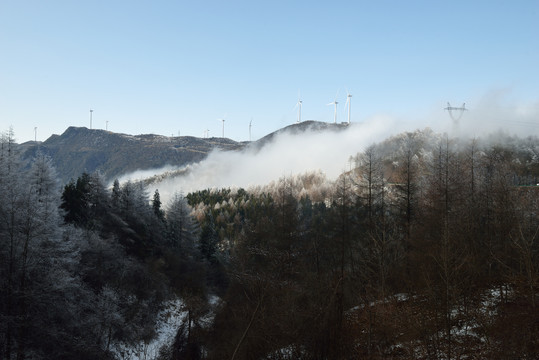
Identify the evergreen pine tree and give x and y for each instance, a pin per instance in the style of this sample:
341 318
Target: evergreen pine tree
156 205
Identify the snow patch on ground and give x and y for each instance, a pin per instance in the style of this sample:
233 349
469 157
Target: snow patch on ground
169 320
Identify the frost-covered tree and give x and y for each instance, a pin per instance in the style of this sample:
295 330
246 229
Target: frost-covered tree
45 190
180 224
39 225
11 198
30 249
134 201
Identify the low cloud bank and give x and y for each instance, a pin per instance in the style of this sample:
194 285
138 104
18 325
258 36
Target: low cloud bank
490 113
286 154
330 151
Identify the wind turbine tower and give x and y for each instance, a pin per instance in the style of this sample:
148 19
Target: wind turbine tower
298 105
223 120
250 123
349 102
91 111
335 116
35 133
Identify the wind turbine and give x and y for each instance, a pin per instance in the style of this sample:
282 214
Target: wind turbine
298 105
223 120
334 103
91 111
349 103
35 133
250 123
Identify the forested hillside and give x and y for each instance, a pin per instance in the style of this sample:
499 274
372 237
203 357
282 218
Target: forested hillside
426 248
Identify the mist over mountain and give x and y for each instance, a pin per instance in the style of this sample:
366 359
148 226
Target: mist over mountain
295 149
174 164
202 162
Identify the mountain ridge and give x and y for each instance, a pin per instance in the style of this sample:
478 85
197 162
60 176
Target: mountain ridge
80 149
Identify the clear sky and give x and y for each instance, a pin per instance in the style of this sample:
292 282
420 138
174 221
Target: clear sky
169 67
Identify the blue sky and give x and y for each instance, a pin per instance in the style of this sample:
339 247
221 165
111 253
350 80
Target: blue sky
169 67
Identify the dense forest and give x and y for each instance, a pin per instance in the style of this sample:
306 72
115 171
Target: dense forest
427 247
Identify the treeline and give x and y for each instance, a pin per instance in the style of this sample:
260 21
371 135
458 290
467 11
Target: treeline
427 248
